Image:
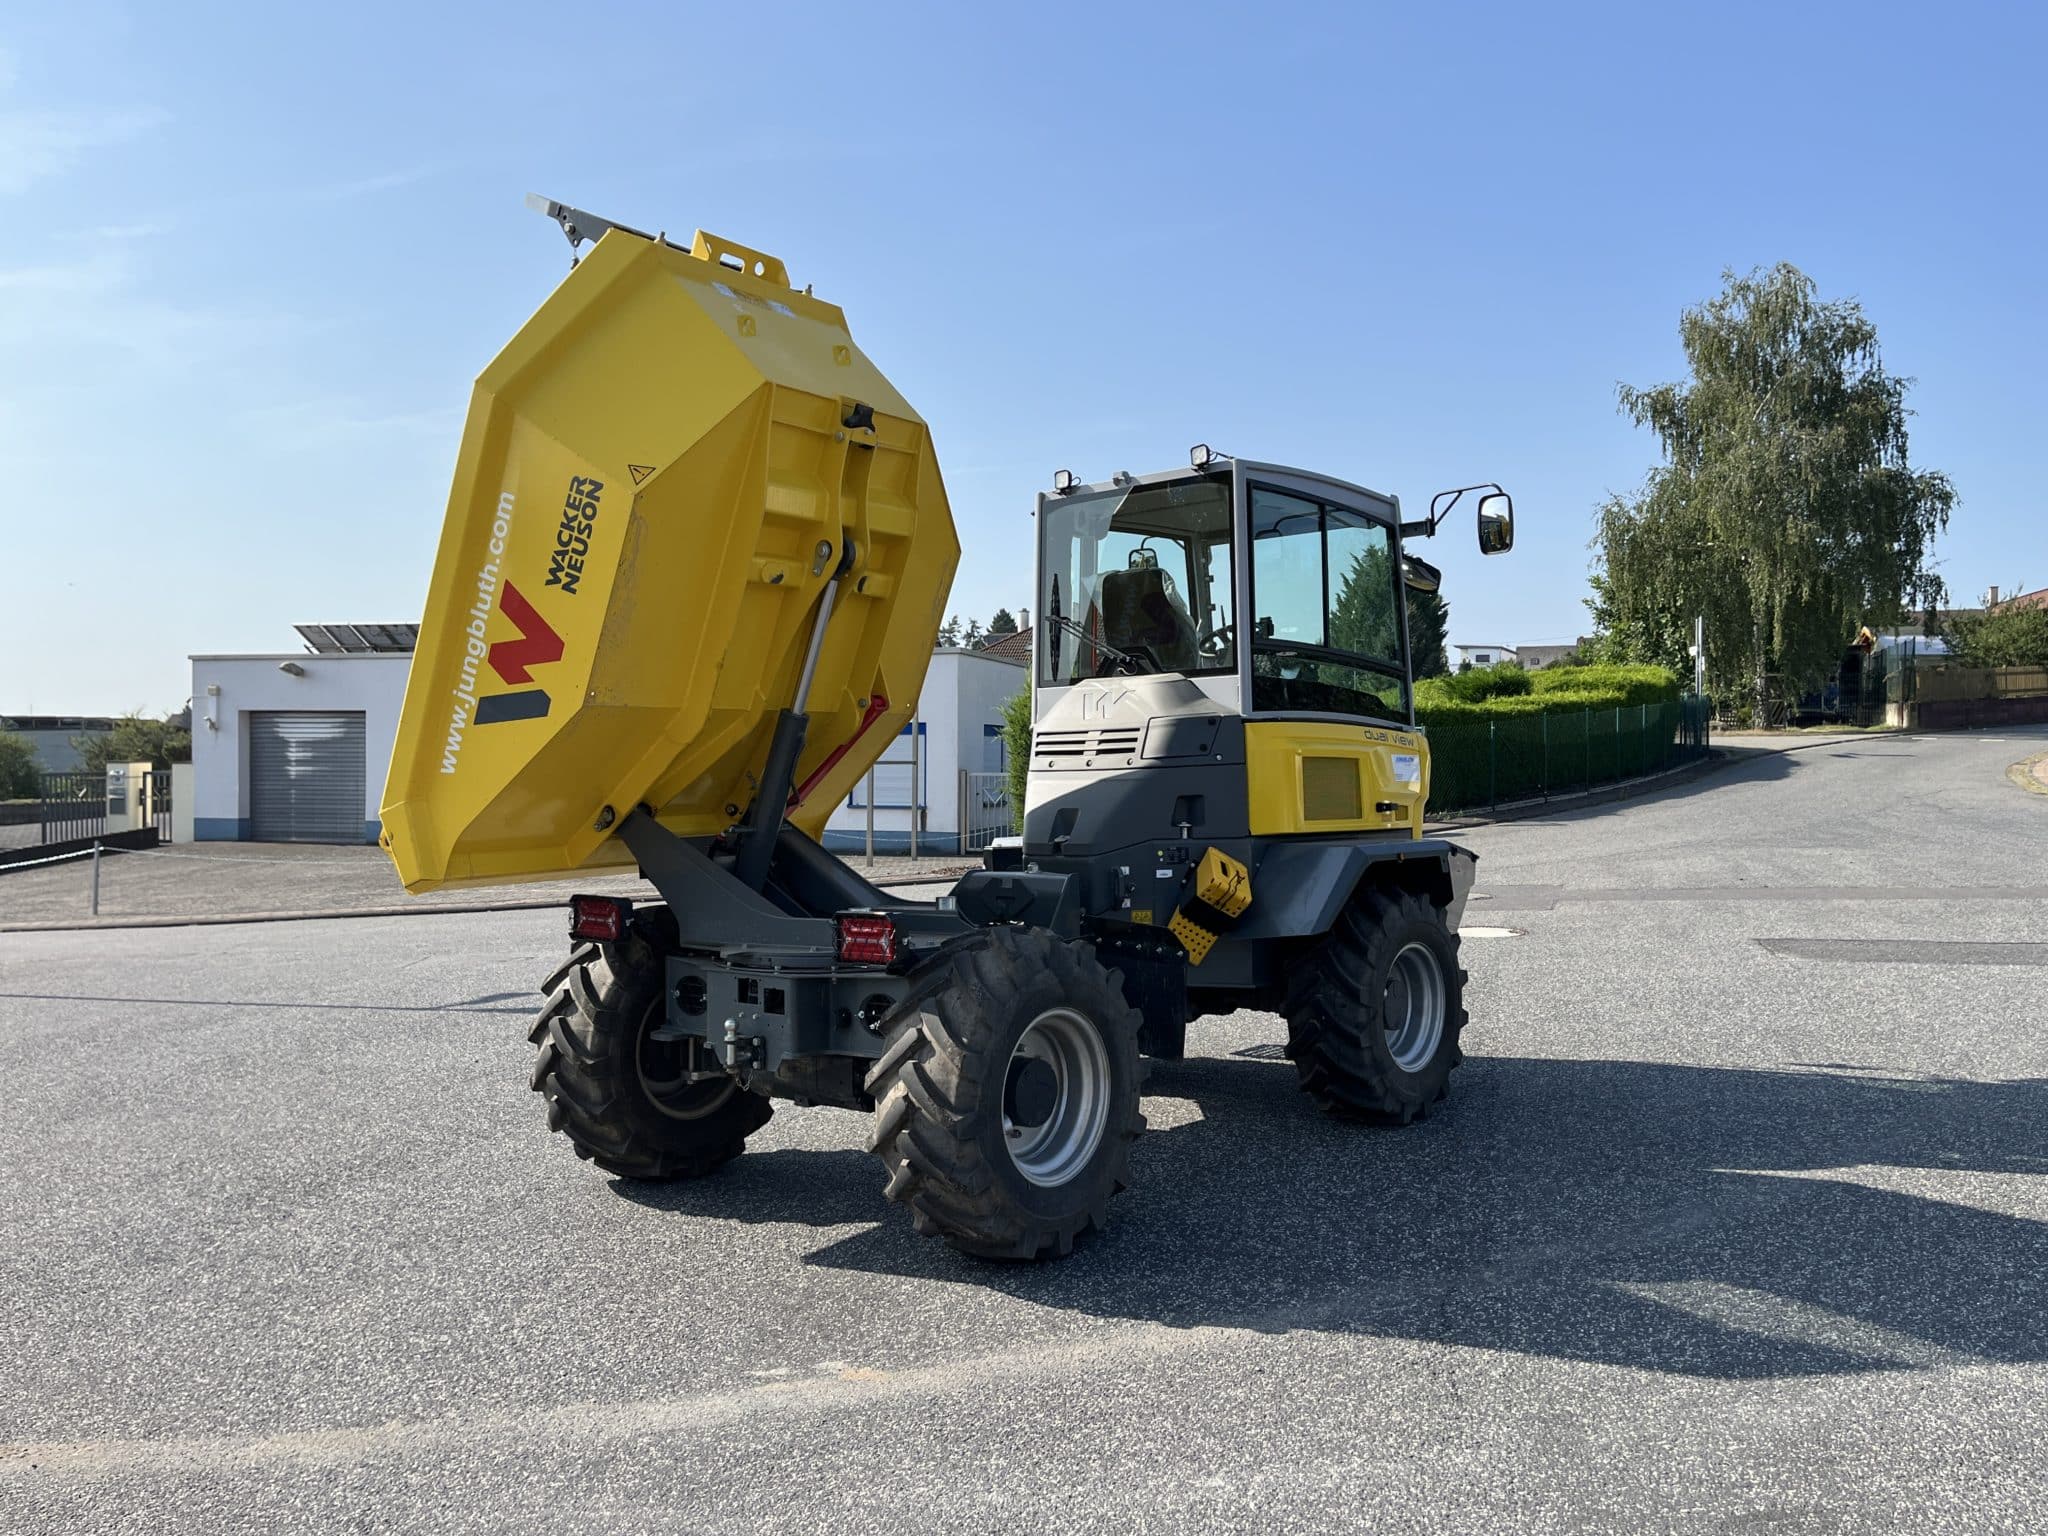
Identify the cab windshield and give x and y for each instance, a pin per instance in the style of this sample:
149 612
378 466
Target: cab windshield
1137 581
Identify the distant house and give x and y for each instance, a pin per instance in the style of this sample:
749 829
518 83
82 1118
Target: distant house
1483 655
1014 647
2018 600
53 737
1537 657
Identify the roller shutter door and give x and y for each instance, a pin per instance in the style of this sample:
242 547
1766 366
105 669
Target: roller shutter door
306 777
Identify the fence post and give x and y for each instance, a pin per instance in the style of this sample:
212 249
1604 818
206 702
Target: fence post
1587 716
95 877
1544 721
960 815
871 815
914 786
1492 774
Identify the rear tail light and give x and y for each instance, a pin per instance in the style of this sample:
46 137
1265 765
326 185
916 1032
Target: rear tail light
867 939
602 918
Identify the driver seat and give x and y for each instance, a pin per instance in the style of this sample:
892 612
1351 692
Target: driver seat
1138 612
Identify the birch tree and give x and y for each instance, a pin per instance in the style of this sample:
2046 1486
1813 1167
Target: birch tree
1786 511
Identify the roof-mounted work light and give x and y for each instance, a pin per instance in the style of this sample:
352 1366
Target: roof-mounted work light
1063 482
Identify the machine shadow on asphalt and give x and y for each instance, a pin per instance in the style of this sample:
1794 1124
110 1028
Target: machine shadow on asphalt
1667 1218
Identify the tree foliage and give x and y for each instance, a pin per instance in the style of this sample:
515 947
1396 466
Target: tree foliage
1017 749
1362 618
949 632
2012 637
134 739
1429 627
1786 512
1004 623
21 778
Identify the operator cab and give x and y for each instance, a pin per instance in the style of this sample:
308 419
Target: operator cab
1152 575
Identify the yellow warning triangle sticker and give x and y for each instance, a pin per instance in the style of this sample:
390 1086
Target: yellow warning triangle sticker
639 472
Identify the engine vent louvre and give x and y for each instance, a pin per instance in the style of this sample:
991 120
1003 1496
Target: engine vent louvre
1069 749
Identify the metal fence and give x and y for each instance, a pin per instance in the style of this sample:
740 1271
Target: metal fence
156 801
74 805
985 810
1526 757
1936 681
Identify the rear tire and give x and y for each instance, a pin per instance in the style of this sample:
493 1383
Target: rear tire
614 1090
1007 1101
1374 1013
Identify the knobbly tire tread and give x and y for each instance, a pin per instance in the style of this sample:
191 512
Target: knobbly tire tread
938 1081
1332 1008
587 1068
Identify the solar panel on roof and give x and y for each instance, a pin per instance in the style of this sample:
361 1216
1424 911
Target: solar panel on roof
359 639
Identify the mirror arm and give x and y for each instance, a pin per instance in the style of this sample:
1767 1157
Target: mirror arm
1440 506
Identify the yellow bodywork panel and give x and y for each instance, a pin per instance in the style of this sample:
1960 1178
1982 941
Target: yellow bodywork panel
656 480
1222 890
1324 776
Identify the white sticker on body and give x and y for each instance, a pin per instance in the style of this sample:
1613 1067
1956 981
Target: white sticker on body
1408 767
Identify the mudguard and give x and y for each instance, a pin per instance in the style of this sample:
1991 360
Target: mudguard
1300 887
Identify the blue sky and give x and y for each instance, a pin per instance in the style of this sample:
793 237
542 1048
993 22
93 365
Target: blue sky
251 257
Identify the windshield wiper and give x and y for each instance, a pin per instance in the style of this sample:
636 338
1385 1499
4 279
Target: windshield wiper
1100 644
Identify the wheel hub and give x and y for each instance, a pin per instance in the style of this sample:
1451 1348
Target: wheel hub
1414 1007
1032 1092
1056 1097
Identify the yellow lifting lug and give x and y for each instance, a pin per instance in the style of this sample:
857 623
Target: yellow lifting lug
735 257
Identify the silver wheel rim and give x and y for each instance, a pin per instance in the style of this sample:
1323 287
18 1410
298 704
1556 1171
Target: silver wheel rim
1414 1007
1055 1152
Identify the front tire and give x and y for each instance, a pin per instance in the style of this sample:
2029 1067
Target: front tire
1007 1101
1374 1013
615 1091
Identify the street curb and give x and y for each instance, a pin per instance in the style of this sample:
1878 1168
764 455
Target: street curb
223 919
1716 759
229 919
1628 789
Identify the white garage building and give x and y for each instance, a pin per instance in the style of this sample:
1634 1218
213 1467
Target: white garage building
292 747
943 774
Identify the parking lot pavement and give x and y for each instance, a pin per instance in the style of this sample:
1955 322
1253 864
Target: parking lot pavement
215 880
1738 1218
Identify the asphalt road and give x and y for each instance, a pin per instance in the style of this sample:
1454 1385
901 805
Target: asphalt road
1738 1219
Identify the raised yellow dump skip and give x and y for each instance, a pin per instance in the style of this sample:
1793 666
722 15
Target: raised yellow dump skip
657 478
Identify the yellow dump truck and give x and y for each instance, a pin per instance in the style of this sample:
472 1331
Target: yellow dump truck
695 558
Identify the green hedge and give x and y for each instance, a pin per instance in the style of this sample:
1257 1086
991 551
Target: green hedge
1634 685
1553 691
1491 757
1503 680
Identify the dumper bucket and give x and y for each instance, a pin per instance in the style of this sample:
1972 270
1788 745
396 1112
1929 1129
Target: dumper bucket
657 480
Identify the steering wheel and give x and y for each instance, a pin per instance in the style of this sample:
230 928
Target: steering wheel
1218 640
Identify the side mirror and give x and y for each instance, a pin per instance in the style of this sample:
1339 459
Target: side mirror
1496 523
1420 575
